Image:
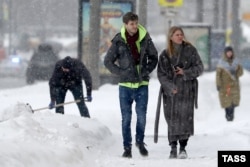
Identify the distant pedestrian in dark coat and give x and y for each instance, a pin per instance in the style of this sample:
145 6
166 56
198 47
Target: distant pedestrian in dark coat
2 52
227 81
68 75
179 66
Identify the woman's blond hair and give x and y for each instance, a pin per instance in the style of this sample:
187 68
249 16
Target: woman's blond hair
170 46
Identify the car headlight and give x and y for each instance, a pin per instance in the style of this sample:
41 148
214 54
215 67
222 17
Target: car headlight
15 59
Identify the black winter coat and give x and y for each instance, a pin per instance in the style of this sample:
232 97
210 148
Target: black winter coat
119 60
67 80
179 108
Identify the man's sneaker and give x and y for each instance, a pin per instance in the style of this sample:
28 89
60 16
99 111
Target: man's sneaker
173 153
182 154
127 153
142 149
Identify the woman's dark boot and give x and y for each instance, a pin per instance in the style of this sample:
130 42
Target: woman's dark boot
173 152
230 113
183 153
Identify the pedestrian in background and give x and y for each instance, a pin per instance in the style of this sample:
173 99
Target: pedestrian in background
179 66
132 56
68 75
2 52
227 81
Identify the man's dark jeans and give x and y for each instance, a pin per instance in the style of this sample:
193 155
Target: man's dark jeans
77 92
127 96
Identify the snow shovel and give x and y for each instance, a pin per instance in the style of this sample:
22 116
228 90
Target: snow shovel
57 105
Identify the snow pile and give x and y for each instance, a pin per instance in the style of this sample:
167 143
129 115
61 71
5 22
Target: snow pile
15 111
44 138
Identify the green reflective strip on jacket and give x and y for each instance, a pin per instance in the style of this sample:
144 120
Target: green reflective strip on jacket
133 85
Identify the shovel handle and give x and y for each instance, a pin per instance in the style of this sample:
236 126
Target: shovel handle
58 105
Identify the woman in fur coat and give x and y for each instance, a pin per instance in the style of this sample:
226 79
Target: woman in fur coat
178 68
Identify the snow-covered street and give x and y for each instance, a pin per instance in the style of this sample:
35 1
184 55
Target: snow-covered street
48 139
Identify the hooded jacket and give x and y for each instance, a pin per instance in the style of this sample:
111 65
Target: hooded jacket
119 59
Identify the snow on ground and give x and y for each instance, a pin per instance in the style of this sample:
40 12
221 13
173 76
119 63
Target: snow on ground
44 138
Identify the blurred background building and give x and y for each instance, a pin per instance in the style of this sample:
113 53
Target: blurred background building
45 18
24 24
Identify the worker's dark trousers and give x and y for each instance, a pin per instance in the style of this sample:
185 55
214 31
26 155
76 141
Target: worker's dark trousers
77 92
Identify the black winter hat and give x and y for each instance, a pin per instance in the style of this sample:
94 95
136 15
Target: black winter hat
228 48
67 62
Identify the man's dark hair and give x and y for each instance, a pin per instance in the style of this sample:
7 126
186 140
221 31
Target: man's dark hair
130 16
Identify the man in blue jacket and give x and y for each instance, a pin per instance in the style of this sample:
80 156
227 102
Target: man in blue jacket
132 56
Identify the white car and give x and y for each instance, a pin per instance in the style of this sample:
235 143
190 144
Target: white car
13 66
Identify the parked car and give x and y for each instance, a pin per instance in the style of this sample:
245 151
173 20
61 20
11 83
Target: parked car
41 64
13 66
